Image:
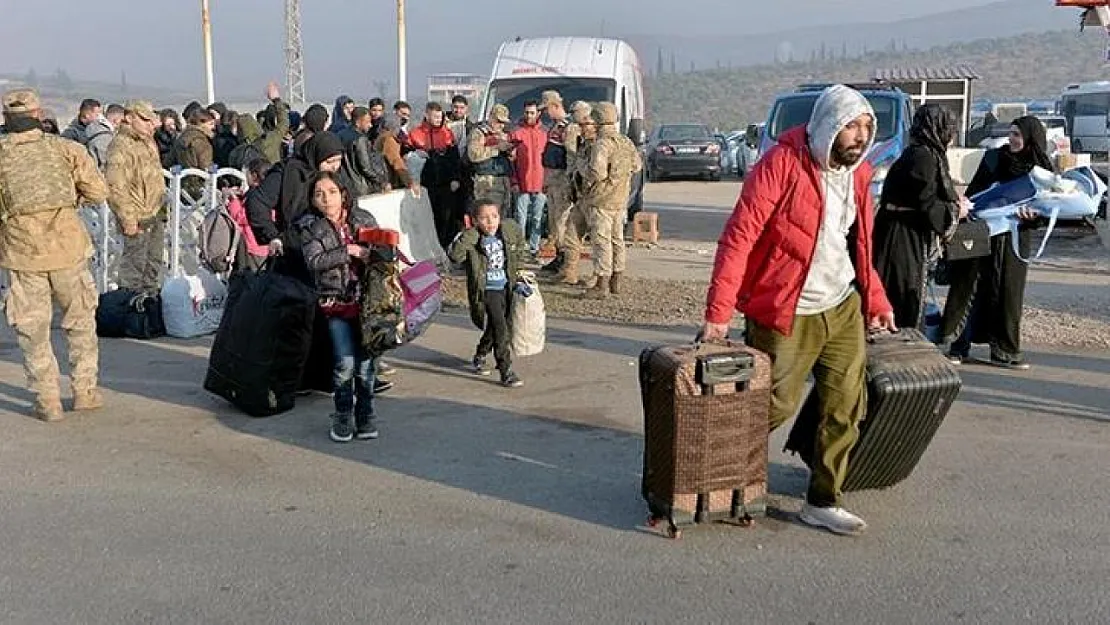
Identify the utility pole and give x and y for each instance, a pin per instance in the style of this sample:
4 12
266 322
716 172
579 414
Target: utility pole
206 32
294 54
402 70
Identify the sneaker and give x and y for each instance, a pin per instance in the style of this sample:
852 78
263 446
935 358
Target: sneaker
364 428
342 430
956 359
836 520
510 380
381 386
385 369
1016 364
480 366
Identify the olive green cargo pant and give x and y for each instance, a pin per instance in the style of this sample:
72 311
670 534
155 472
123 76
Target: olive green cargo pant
29 309
142 259
833 346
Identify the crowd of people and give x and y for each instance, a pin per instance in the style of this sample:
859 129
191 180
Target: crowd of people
557 181
805 256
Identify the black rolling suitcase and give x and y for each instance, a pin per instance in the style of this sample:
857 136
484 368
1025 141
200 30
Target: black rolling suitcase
259 353
910 388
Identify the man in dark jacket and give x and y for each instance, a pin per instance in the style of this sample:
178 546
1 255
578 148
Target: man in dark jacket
364 168
166 136
442 173
224 139
795 258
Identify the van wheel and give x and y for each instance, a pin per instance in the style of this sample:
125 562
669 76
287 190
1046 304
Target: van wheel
714 177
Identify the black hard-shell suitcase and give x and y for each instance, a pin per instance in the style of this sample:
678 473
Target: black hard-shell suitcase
124 313
910 388
260 350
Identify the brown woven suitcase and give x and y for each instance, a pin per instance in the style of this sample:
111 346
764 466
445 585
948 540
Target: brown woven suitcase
705 433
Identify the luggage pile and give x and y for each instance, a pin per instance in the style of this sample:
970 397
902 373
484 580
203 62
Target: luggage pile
706 432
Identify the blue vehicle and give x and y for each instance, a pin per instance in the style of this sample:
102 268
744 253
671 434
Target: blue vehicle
893 109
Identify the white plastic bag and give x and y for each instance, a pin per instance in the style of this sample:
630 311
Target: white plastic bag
529 320
193 305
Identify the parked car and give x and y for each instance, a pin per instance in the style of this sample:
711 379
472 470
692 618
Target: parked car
998 135
683 150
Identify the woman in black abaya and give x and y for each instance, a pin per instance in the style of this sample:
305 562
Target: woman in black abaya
986 295
919 205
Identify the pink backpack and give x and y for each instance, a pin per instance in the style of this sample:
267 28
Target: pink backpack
238 212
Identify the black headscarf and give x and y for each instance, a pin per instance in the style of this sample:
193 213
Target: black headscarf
932 128
339 119
1034 151
300 170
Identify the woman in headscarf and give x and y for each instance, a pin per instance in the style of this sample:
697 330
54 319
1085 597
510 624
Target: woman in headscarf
919 205
341 114
986 295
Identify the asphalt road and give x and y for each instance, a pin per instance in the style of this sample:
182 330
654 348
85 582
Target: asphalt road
482 505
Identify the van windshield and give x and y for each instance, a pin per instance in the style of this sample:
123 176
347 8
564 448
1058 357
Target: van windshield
514 92
795 111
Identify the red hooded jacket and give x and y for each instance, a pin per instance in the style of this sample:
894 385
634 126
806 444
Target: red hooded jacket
430 138
767 246
528 163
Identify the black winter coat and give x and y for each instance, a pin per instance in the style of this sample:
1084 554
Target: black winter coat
325 254
364 168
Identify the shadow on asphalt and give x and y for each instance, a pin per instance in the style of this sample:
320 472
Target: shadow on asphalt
1030 393
580 471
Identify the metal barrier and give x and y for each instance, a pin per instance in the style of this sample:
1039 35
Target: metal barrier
186 214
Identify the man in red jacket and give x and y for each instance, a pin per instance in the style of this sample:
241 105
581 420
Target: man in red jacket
530 138
795 258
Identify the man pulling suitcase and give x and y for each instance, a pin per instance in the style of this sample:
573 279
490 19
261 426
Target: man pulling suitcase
795 259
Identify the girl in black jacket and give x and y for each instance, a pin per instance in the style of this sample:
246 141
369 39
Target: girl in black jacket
327 237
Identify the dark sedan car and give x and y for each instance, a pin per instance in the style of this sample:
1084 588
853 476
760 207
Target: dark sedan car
683 150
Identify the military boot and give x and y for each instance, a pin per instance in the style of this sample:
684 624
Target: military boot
48 410
570 273
90 399
615 283
600 289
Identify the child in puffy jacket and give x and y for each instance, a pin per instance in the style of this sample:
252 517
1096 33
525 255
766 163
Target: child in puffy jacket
493 252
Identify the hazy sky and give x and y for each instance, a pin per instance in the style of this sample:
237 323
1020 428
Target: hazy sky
350 43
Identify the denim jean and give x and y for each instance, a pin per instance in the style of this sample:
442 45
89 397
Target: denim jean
353 375
529 214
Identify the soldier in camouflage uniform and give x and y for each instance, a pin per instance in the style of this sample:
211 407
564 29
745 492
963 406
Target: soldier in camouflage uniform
489 152
556 179
136 193
575 223
613 160
46 248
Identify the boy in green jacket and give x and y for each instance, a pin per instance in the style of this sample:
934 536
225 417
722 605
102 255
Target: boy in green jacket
493 251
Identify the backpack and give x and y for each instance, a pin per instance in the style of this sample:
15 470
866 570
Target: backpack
129 314
243 154
219 240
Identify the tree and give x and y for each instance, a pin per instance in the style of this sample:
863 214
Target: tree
32 78
659 63
123 82
63 82
674 70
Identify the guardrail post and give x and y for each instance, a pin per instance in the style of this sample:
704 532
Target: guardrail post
175 225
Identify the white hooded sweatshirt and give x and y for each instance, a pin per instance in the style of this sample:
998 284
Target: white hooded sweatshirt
831 275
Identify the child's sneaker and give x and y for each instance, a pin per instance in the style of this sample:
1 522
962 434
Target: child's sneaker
381 386
480 366
510 380
364 428
342 430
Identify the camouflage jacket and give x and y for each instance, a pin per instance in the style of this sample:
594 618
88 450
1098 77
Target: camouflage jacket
136 188
193 149
608 177
39 226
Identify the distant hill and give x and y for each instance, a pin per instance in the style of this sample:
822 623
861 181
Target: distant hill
1005 18
1026 66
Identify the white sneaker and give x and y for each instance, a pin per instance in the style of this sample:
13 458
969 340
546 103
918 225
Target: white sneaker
836 520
